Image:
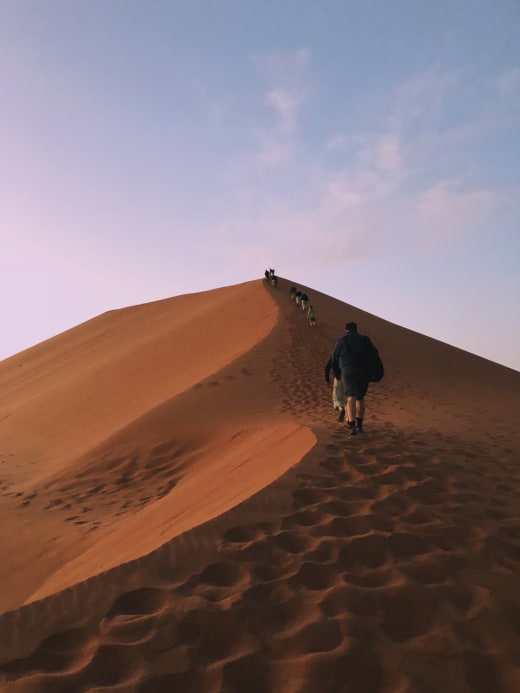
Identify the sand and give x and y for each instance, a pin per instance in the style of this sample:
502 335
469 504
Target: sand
181 511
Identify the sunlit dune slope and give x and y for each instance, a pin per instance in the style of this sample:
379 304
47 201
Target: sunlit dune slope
103 459
67 394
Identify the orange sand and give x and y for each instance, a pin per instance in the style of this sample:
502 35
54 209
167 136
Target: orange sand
181 511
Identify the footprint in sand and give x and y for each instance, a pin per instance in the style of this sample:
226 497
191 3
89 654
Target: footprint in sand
293 542
407 612
246 533
61 652
222 574
304 518
144 601
307 496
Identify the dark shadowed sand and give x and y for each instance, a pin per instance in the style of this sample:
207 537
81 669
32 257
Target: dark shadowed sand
181 511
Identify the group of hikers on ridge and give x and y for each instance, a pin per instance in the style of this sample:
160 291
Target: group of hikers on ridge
303 301
270 276
355 362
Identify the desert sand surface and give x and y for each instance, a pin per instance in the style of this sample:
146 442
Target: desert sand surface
180 509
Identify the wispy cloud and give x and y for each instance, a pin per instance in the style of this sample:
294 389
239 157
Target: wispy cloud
408 185
272 152
339 142
283 67
421 99
285 104
354 188
509 82
447 209
285 75
383 153
377 167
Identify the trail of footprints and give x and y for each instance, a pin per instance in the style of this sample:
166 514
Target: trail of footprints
361 567
144 476
307 397
136 480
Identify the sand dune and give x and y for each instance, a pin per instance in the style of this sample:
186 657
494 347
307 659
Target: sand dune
181 511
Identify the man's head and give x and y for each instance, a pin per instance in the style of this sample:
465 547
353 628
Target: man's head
351 327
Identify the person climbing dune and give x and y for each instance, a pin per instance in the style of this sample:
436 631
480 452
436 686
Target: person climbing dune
349 358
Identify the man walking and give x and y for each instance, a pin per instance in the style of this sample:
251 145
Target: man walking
350 356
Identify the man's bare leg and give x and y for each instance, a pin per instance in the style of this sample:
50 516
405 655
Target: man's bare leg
351 408
360 411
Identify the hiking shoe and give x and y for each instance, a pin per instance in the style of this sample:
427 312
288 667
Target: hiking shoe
341 416
359 429
352 431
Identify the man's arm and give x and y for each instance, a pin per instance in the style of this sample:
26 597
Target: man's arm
327 369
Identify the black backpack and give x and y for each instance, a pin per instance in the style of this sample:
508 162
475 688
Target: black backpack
373 365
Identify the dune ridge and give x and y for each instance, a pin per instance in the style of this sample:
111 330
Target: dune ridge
236 538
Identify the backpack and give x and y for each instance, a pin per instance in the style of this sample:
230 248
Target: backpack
373 365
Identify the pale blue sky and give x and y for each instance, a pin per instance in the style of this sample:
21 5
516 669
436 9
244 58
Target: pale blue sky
368 149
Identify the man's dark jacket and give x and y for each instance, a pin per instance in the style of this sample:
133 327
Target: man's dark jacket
351 350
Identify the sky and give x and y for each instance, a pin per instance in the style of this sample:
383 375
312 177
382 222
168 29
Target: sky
367 149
